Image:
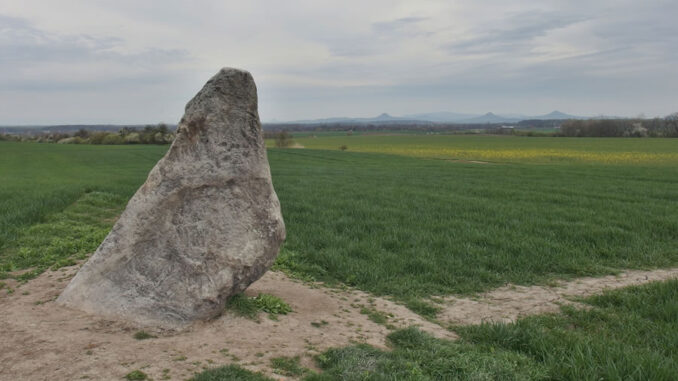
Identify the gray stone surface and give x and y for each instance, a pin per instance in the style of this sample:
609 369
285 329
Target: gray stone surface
204 225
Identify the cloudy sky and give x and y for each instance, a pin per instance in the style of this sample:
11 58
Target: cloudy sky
71 61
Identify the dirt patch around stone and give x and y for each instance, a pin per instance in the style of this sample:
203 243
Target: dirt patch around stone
41 340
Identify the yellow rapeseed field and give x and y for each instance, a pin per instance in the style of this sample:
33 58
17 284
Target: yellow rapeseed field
507 149
536 155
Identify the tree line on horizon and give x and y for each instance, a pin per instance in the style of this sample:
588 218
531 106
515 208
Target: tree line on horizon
162 134
150 134
657 128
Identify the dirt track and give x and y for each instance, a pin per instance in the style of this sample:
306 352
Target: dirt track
508 303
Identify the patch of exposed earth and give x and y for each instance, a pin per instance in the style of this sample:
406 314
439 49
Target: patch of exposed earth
40 340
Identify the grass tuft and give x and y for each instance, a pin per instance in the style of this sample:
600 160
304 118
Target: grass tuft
272 304
629 334
423 308
136 375
143 335
374 315
250 307
243 306
229 372
288 366
319 324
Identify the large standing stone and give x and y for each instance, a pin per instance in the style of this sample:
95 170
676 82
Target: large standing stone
204 226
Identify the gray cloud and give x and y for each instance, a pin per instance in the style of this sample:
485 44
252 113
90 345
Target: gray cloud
28 53
518 32
20 42
381 37
404 25
131 62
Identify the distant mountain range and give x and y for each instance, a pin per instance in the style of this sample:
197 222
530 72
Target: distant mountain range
439 117
383 119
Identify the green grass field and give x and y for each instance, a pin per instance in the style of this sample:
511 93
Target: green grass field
413 217
394 224
58 202
389 224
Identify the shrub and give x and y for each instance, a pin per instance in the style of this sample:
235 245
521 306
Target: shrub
132 138
97 137
82 133
72 140
112 139
283 140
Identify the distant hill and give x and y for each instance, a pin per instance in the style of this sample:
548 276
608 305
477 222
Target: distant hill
490 118
556 115
381 119
439 117
431 119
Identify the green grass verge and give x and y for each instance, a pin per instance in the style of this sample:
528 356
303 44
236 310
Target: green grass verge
629 334
63 237
418 356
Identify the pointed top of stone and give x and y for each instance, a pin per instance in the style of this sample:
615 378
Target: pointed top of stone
230 86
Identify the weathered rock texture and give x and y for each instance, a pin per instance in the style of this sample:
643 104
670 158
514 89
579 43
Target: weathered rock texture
204 226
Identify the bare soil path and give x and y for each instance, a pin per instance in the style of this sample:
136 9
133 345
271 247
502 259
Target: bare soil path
510 302
40 340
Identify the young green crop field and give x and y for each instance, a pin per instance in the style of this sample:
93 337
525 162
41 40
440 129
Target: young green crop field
394 225
58 202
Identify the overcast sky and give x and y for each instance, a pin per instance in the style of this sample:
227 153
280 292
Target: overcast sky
122 61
